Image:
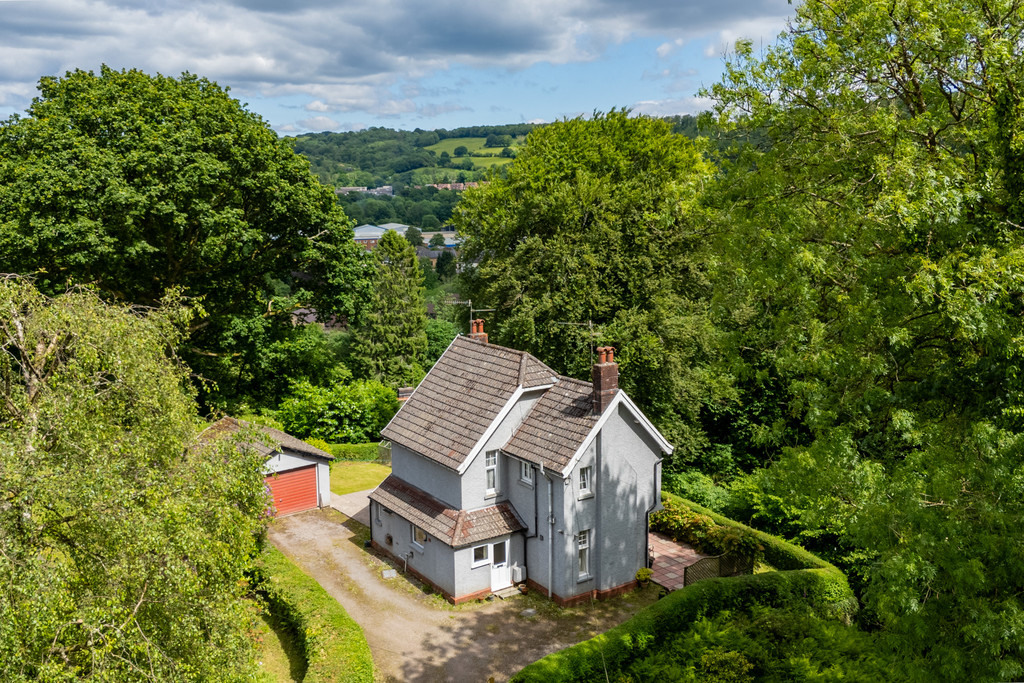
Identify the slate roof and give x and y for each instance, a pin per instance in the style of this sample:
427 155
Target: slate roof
556 427
282 441
469 385
456 528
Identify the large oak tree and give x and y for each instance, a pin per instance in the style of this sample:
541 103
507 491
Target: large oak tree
140 184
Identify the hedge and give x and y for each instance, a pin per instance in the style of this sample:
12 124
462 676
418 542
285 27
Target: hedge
354 451
333 644
804 578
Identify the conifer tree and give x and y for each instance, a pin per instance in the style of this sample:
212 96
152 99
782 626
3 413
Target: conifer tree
392 342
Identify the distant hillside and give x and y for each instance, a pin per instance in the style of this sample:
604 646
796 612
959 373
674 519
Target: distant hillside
408 161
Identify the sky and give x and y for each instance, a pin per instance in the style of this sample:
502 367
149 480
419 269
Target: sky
342 65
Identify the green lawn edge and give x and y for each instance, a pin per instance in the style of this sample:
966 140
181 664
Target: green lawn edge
802 578
333 644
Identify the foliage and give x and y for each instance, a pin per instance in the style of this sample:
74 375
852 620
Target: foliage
788 644
643 575
333 644
681 523
123 538
698 487
140 184
345 413
354 451
436 241
413 236
440 334
871 258
598 223
445 266
807 583
391 343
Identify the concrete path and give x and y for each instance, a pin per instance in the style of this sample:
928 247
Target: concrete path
671 559
418 637
355 505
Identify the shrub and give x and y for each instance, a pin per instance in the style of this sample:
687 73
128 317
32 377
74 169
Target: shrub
333 644
681 523
354 451
807 582
350 413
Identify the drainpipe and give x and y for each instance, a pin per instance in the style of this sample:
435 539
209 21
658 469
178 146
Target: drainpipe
647 527
551 533
536 485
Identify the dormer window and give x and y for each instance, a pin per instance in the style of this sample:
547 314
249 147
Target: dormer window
491 472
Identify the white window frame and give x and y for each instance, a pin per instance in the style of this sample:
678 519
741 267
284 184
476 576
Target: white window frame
526 472
586 485
491 472
583 542
413 532
487 555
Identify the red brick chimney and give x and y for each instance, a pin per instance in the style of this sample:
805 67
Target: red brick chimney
476 330
606 378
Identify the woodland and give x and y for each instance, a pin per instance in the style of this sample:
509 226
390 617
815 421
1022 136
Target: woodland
815 291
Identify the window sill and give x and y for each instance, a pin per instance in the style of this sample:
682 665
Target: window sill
583 578
416 546
584 496
491 494
477 565
527 484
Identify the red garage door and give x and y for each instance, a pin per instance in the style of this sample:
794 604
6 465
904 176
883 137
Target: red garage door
294 490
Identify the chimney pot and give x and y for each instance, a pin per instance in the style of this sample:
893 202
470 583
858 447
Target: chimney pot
606 379
477 330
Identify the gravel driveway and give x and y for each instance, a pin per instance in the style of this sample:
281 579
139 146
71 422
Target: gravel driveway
418 637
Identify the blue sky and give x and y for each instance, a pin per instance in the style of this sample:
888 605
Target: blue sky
311 65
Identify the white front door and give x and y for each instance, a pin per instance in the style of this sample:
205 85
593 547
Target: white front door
501 573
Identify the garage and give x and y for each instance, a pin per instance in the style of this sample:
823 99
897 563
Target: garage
293 490
297 474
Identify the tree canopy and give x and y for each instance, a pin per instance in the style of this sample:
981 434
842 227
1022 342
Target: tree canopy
391 344
873 252
123 539
598 224
138 184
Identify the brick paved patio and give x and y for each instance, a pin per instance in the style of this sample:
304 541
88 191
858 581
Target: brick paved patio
671 558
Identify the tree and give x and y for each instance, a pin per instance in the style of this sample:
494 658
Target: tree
461 151
597 224
413 236
445 266
124 539
430 222
391 343
345 413
871 263
436 241
138 184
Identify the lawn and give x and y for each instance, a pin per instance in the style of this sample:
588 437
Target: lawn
280 657
449 145
349 477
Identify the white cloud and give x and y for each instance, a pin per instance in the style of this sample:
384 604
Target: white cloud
357 56
318 123
672 107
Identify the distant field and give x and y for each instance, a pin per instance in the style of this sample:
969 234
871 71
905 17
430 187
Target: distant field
487 162
449 145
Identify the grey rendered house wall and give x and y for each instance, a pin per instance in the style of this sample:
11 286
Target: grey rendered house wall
434 560
474 482
626 485
629 470
427 475
472 580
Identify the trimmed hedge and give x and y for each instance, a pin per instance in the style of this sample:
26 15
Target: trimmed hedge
333 644
805 579
354 451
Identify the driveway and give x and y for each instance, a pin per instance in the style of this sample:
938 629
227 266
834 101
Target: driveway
419 637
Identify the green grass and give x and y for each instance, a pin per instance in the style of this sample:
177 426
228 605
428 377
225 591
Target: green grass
349 477
280 657
449 145
487 162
